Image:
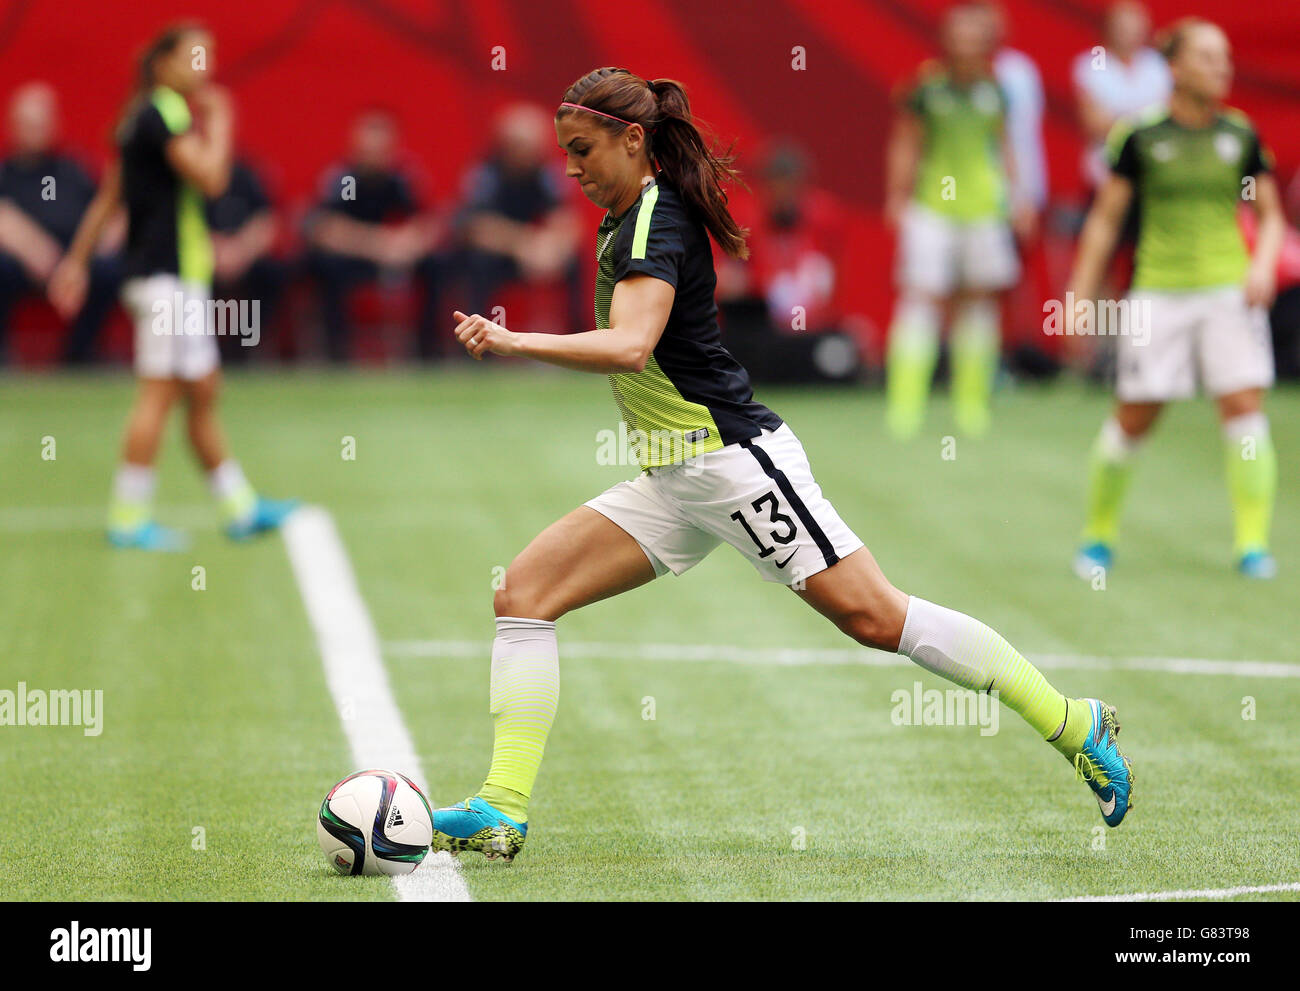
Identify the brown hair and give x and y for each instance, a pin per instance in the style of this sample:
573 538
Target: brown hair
673 142
1170 41
164 43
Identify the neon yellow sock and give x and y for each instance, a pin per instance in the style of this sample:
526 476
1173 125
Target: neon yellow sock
909 368
525 694
1074 729
974 352
967 652
1251 462
127 515
235 496
132 503
1109 468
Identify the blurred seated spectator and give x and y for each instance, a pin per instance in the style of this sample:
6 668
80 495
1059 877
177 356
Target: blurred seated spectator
1119 78
1284 317
790 286
243 226
367 222
795 244
515 224
43 194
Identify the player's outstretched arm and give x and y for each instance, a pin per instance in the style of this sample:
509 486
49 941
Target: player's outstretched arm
1261 279
638 314
69 281
1100 232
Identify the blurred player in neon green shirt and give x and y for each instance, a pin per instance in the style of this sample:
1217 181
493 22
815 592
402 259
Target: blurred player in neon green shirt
948 176
1192 164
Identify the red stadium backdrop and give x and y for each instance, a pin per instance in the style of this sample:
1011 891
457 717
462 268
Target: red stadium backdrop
300 70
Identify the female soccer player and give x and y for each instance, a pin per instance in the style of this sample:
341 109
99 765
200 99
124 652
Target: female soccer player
1191 165
165 168
718 466
948 167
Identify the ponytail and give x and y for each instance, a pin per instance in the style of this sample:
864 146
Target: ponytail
674 143
146 72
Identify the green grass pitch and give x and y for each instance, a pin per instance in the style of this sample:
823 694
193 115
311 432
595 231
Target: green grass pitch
754 780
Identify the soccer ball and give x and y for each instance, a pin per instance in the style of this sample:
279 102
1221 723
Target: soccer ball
375 822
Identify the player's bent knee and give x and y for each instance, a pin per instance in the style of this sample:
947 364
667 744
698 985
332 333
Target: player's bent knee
872 629
522 600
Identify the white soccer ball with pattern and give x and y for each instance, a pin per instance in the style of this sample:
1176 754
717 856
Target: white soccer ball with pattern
375 822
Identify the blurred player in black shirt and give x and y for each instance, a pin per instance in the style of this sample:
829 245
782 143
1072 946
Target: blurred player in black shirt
42 196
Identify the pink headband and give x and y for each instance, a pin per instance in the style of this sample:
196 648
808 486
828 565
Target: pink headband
579 106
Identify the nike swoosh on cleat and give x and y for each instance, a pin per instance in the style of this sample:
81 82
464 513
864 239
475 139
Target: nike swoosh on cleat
1107 808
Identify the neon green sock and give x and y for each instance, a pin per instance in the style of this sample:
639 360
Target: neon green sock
235 497
1251 462
525 694
913 353
132 503
974 352
1109 468
128 515
504 800
1073 730
971 654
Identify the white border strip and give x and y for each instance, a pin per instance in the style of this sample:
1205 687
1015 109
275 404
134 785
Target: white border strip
1168 896
796 656
354 668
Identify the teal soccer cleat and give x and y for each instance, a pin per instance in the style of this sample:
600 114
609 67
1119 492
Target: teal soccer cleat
1102 767
148 536
267 514
475 825
1257 564
1090 556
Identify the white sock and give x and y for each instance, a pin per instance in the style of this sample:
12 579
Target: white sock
227 479
134 483
915 325
1113 444
1246 425
525 694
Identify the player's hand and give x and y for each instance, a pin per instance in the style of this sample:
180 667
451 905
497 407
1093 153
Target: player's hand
895 207
67 288
213 100
1024 221
480 335
1261 286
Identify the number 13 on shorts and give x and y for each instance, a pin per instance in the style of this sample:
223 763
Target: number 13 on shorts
784 534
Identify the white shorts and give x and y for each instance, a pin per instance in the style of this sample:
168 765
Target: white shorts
1210 335
937 256
758 495
167 345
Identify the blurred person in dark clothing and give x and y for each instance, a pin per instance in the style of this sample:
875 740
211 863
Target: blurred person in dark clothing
43 194
796 243
515 224
367 221
243 226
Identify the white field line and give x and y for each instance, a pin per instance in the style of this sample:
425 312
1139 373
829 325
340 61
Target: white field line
797 656
40 519
1169 896
354 668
